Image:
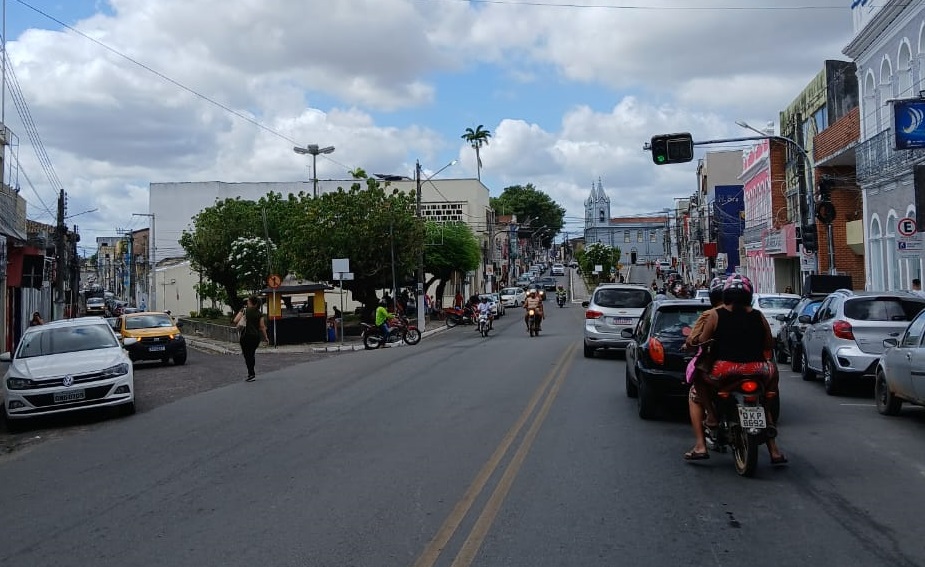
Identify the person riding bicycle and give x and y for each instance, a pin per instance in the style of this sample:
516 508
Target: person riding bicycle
533 302
741 344
382 320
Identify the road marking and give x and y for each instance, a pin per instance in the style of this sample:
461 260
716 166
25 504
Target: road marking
436 546
860 405
480 529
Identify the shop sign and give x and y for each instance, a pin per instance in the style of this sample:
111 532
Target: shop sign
774 242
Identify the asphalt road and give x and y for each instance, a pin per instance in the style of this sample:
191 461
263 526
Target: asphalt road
509 450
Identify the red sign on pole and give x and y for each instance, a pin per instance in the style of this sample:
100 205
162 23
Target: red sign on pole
906 226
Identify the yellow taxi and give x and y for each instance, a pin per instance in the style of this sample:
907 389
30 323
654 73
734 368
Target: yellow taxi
158 336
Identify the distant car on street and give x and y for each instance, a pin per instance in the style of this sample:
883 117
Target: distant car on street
773 304
96 306
513 296
157 337
612 308
557 270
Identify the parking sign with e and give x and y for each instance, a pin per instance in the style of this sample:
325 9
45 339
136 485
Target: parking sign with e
906 226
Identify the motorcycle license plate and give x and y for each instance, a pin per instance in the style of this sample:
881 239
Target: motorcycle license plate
752 418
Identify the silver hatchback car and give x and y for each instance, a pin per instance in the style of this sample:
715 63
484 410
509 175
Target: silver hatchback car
844 339
613 307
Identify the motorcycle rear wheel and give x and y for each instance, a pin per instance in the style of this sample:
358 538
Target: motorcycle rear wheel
744 451
452 321
371 341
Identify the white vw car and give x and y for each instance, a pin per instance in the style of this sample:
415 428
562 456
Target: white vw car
64 366
513 296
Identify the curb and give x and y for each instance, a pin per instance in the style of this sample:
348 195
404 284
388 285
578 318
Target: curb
203 345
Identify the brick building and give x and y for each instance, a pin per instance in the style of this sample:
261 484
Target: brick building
769 240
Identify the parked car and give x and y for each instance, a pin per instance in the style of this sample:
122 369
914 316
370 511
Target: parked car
66 365
157 337
844 339
790 336
773 304
612 308
655 361
901 370
513 296
557 270
497 308
523 281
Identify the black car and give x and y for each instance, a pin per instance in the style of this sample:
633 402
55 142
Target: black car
655 361
549 283
790 335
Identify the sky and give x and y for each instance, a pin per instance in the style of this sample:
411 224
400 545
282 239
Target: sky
123 93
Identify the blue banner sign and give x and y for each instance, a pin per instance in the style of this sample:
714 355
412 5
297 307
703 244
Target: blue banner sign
909 123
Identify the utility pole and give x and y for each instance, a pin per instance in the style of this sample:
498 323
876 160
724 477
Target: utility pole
60 257
74 264
420 299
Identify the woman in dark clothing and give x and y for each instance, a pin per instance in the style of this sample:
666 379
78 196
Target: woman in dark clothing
36 320
740 343
254 328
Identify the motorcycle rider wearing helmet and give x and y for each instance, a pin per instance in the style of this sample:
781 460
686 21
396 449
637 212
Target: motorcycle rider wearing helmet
695 404
382 320
740 337
533 302
560 293
485 309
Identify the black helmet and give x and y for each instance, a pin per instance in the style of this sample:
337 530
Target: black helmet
716 290
738 290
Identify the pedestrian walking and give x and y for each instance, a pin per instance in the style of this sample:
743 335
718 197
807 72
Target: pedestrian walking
253 328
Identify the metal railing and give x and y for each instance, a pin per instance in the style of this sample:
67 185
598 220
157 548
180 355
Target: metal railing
876 157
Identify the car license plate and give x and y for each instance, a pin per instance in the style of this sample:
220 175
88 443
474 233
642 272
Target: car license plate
752 417
156 348
621 321
69 396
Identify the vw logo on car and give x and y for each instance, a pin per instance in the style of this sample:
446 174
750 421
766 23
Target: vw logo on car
68 381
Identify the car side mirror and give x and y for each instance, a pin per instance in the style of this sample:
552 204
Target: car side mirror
626 333
890 343
129 341
781 317
585 303
806 319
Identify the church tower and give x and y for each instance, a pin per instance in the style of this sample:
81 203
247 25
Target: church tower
597 207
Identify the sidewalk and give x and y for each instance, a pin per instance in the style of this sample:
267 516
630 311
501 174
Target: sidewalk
350 343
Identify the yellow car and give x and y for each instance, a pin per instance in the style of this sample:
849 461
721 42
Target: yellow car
159 337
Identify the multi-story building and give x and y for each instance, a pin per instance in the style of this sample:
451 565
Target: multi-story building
828 98
888 49
715 216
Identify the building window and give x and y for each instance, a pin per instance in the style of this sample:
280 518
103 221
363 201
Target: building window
892 257
876 255
626 236
886 93
652 236
638 236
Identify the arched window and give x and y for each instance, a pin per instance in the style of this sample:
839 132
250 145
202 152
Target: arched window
892 258
602 215
904 70
869 106
886 93
876 255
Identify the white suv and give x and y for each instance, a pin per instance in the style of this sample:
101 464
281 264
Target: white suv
613 308
558 270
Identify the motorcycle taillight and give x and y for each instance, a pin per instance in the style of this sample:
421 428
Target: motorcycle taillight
749 386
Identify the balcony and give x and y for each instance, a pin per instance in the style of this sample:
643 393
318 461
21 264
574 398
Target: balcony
876 158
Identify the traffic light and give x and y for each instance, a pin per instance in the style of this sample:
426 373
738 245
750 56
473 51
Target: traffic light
810 238
672 148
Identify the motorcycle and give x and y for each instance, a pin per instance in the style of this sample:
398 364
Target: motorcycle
400 330
533 322
743 424
560 299
458 316
484 324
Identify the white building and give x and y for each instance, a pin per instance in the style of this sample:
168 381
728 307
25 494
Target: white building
889 51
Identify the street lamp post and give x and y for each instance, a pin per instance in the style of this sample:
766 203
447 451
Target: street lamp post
417 183
152 284
313 150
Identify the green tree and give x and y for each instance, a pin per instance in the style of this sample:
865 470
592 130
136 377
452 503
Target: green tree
533 206
597 254
450 248
209 241
477 138
359 224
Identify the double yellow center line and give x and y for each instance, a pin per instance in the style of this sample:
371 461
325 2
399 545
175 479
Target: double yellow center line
480 528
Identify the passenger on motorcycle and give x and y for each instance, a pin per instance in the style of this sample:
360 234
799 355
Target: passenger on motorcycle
485 308
533 302
740 343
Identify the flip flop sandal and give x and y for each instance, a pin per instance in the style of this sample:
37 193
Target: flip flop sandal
777 461
696 456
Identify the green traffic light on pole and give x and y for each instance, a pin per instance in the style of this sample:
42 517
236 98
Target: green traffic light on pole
672 148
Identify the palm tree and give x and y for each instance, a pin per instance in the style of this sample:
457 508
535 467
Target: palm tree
477 138
358 173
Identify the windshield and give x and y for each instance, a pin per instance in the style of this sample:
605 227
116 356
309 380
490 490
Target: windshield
148 321
882 309
630 298
672 322
96 301
60 340
777 302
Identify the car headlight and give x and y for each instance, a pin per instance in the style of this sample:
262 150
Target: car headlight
18 383
117 370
